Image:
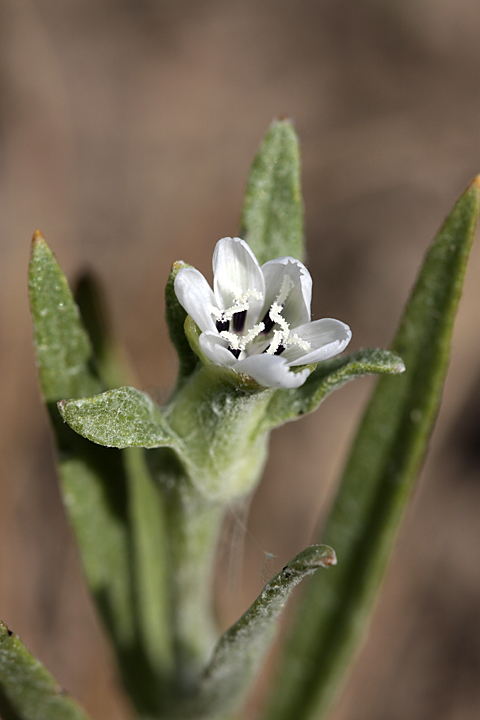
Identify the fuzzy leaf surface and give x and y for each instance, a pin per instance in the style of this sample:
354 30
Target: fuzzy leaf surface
95 481
329 376
384 462
272 218
239 652
123 417
27 690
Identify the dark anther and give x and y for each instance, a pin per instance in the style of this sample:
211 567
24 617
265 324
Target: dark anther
235 352
222 325
268 322
239 321
278 351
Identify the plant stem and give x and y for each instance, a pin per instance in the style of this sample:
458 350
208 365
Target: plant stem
194 526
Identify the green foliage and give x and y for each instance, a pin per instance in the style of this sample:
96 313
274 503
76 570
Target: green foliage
272 218
383 465
27 690
239 652
102 488
328 376
147 531
119 418
63 349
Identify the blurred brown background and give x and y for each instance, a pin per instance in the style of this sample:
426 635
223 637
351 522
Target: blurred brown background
126 131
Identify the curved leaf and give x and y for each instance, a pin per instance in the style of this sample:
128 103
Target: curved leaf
240 650
328 376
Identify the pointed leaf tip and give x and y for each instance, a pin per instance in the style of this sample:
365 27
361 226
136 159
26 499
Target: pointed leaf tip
27 689
239 652
310 560
272 217
37 235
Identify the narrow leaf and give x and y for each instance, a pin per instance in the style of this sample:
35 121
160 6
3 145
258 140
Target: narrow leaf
63 349
95 481
328 376
27 690
124 417
272 218
383 465
239 652
175 316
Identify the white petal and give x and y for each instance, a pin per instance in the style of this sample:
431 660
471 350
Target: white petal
327 338
296 309
271 371
195 295
237 272
216 349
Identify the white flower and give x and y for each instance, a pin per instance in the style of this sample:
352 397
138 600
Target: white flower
257 319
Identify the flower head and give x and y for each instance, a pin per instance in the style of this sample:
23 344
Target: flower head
256 320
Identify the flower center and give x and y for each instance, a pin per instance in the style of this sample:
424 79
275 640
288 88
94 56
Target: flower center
230 324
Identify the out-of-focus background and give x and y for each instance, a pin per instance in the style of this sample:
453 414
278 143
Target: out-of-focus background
127 128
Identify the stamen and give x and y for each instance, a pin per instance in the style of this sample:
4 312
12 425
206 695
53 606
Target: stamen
215 311
274 314
240 304
239 342
238 321
235 318
252 334
268 322
234 340
295 340
277 342
222 325
287 285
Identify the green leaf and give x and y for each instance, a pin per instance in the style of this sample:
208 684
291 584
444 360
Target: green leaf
63 349
27 690
383 465
328 376
239 652
146 512
102 493
124 417
175 316
272 218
